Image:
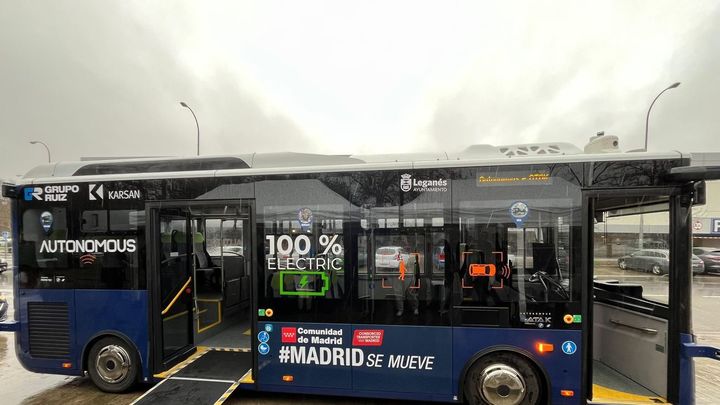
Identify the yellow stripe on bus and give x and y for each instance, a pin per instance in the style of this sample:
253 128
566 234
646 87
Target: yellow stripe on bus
167 373
610 396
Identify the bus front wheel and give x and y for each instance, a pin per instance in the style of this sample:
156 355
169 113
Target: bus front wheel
503 378
113 365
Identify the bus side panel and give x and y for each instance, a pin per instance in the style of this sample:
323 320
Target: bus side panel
563 370
44 362
107 311
407 359
411 362
288 354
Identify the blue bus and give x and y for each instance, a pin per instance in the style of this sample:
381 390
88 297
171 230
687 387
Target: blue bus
482 277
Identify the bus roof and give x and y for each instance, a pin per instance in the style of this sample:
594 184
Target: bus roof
289 162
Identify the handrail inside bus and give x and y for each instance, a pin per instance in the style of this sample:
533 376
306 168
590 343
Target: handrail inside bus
180 291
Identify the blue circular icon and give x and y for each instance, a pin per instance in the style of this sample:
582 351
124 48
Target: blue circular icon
263 336
268 327
519 211
263 348
569 347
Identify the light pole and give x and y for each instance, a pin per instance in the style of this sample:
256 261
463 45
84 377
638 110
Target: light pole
43 144
647 118
182 103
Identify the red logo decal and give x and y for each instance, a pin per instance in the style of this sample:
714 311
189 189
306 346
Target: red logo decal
368 337
288 335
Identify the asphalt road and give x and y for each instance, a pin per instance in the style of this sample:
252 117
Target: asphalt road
20 386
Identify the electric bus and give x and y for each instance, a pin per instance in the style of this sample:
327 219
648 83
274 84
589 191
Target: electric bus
487 276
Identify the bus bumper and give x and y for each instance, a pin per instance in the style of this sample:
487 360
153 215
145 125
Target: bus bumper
9 326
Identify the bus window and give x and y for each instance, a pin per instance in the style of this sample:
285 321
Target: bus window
519 246
304 260
117 265
42 264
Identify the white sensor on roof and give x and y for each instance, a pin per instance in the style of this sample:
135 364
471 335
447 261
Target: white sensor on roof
602 143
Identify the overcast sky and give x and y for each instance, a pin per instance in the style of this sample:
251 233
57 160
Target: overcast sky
96 78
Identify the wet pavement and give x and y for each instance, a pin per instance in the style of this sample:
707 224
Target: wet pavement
23 387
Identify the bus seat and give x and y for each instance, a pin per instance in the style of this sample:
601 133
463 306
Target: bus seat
201 255
234 267
544 258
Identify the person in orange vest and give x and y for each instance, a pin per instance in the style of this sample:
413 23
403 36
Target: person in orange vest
401 287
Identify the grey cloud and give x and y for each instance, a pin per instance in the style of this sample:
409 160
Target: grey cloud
685 118
95 80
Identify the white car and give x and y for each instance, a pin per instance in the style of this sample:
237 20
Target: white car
226 251
390 256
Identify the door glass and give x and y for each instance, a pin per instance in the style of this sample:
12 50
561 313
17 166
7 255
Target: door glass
635 249
175 302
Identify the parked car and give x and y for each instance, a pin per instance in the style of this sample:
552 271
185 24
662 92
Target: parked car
709 256
656 261
439 257
3 308
390 256
226 251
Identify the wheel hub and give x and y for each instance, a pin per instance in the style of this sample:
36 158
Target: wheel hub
113 363
502 385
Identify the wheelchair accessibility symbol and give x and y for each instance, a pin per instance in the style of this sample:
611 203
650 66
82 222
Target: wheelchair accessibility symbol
569 347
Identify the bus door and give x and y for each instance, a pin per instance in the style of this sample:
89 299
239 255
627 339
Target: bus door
634 256
200 272
172 298
200 275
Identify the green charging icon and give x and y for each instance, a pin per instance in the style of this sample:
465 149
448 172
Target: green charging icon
307 283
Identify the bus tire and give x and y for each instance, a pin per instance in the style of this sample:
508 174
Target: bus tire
503 378
113 365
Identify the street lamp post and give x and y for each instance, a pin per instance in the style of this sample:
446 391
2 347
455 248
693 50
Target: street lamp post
647 118
43 144
182 103
641 236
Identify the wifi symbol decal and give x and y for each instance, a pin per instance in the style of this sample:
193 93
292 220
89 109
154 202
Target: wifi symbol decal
87 259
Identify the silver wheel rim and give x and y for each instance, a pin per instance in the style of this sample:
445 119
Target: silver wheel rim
113 364
656 270
501 384
623 265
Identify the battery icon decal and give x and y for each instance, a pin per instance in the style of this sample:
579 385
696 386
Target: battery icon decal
306 283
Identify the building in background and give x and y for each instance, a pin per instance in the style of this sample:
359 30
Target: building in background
706 219
617 236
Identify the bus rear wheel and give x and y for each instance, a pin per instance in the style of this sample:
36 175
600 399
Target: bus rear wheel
113 365
503 378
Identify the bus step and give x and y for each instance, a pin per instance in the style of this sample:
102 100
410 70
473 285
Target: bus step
209 379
